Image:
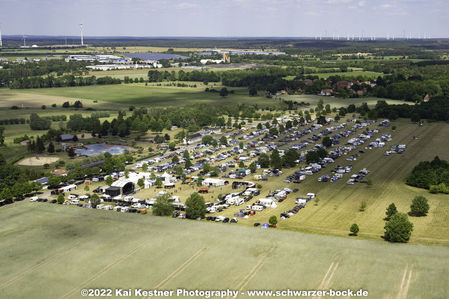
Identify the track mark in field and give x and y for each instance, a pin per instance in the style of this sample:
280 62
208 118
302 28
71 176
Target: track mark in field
102 271
327 279
181 268
405 282
45 261
254 270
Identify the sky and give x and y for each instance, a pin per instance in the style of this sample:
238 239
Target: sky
227 18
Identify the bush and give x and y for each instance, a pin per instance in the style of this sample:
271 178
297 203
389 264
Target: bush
419 206
391 210
273 220
398 228
362 206
354 229
163 205
195 206
95 200
61 198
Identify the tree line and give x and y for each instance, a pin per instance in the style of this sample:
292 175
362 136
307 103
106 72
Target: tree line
51 81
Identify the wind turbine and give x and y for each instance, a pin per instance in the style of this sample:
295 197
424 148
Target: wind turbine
82 36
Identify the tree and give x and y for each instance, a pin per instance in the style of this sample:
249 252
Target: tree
51 148
273 221
40 147
158 182
141 182
354 229
109 180
223 140
264 161
188 163
419 206
207 139
144 167
290 157
398 228
2 137
252 91
186 155
39 123
78 104
163 205
95 200
327 142
175 159
275 160
61 198
391 210
253 167
71 152
224 92
195 206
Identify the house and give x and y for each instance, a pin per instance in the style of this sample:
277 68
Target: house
344 84
326 92
66 137
308 82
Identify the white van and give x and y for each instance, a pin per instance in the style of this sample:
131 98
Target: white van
257 208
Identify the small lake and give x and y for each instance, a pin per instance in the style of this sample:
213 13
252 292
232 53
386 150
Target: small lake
95 149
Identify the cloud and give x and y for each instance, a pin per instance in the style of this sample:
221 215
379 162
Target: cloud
361 3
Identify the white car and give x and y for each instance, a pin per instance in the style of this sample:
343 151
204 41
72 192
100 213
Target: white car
34 198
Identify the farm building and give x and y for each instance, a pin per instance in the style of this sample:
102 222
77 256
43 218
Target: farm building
214 182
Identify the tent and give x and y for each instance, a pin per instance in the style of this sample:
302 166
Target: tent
265 225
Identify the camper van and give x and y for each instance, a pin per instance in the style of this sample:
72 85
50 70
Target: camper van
301 202
257 208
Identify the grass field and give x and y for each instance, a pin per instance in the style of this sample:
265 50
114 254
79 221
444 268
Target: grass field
139 94
11 97
53 251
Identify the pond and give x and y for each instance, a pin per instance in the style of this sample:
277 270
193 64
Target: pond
95 149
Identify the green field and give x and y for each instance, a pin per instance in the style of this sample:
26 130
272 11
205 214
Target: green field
139 94
51 251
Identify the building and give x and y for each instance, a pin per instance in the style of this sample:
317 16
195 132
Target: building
326 92
99 57
108 67
216 61
65 137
